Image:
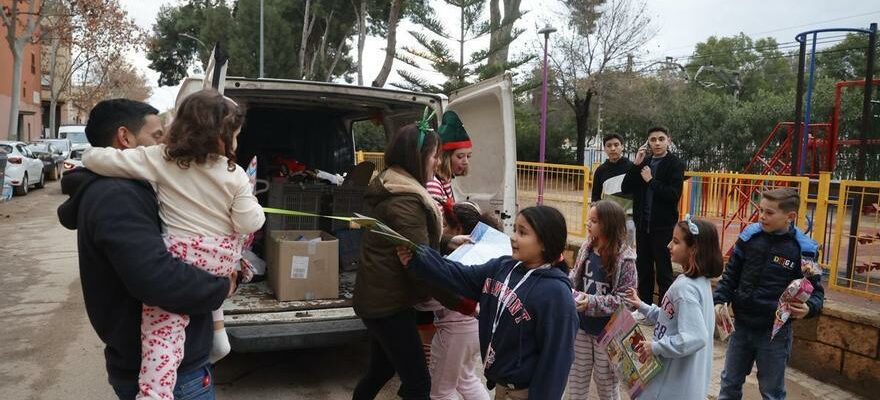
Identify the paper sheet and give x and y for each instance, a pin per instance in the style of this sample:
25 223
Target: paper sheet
488 244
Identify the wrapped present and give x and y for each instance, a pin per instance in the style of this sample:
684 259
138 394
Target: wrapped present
724 322
799 290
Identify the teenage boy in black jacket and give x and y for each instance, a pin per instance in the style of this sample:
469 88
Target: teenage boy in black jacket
617 164
123 261
655 183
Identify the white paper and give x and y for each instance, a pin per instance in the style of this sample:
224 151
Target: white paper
299 268
613 185
488 244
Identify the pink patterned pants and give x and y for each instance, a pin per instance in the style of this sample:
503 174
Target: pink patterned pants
163 333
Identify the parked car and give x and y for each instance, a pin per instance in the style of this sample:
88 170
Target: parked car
22 167
76 134
51 157
63 145
74 160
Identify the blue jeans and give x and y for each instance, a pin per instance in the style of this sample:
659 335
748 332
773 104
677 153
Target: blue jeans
749 347
194 385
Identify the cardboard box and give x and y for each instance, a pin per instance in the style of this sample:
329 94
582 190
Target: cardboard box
301 268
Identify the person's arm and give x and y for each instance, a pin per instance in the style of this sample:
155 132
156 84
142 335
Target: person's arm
125 225
556 329
650 311
605 305
137 163
466 281
247 214
691 336
817 299
598 180
726 287
669 191
632 180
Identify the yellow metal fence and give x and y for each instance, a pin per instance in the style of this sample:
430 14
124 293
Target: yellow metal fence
845 221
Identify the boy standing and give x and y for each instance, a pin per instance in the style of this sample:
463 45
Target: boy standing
616 164
766 258
655 181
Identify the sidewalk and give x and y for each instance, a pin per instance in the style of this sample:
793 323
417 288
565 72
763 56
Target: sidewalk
798 384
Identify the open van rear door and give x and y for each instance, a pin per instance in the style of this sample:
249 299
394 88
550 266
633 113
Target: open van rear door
487 112
215 76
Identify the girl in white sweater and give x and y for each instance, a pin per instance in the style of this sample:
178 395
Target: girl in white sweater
685 320
207 207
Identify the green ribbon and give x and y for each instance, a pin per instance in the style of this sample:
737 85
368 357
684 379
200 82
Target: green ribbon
424 126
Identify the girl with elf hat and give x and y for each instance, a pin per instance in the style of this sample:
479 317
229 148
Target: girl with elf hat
454 159
455 152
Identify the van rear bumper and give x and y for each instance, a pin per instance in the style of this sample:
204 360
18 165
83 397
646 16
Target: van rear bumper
288 331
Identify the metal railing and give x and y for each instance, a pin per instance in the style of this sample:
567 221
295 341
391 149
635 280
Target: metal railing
845 223
375 158
566 187
855 260
731 200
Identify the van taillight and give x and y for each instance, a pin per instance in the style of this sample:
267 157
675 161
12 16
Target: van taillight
14 160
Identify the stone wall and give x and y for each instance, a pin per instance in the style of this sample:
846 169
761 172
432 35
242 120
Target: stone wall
840 346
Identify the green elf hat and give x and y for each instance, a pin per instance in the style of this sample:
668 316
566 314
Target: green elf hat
452 133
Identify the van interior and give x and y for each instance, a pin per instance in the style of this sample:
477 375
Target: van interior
288 131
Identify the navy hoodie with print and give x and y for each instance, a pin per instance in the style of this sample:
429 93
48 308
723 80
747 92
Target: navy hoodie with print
534 341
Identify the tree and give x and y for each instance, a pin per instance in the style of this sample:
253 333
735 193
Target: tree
321 56
583 54
21 30
93 35
742 66
847 60
125 81
502 34
99 48
453 66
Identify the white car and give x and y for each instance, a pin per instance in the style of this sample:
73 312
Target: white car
22 167
76 134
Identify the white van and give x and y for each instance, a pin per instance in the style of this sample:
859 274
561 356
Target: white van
312 122
76 134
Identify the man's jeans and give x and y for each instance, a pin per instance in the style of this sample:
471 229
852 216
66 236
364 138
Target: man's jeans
748 347
195 385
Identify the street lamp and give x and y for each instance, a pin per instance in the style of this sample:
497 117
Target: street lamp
188 36
201 43
546 32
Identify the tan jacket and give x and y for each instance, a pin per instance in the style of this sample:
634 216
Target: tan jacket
383 285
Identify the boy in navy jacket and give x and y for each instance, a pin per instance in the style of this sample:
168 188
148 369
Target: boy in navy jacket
766 258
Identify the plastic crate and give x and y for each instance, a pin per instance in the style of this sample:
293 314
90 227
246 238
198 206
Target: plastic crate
297 197
345 203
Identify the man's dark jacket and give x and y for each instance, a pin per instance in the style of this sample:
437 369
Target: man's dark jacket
666 185
123 264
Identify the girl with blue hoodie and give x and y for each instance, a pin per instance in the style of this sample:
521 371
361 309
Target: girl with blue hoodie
527 321
685 320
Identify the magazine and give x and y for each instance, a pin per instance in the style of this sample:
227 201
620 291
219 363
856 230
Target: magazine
620 337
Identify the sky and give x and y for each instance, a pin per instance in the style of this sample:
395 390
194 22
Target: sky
680 24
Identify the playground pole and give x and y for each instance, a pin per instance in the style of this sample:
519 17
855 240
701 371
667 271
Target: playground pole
867 115
798 112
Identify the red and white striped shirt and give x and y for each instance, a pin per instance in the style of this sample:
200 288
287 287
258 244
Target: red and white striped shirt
440 190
